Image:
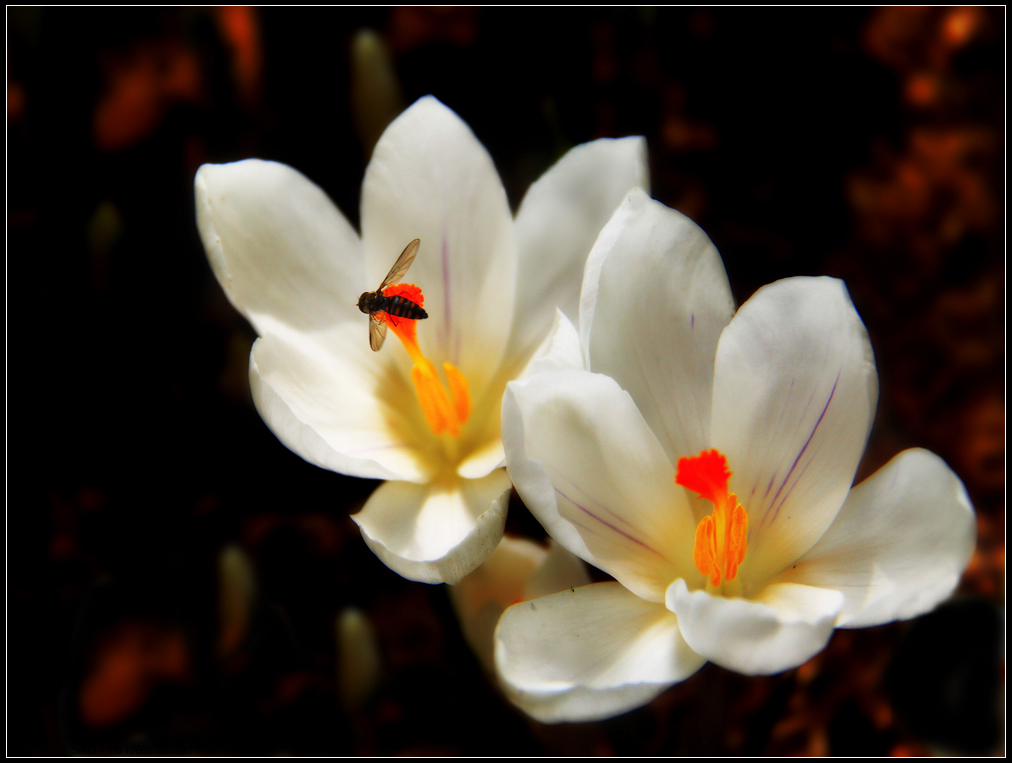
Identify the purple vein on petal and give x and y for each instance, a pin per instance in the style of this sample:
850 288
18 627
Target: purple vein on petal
618 517
584 527
766 512
769 486
773 476
813 455
809 440
787 495
624 534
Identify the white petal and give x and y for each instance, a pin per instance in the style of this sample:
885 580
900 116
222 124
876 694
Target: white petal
794 394
556 572
560 351
481 597
589 653
342 407
590 470
898 545
557 223
502 578
283 253
436 533
431 179
483 459
518 570
655 300
781 628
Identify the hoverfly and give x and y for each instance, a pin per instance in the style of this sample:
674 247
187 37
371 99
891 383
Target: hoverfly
374 302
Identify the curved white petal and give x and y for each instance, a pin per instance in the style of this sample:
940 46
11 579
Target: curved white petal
483 459
436 533
589 653
480 598
502 578
341 407
781 628
518 570
560 351
557 223
431 179
558 571
654 303
283 253
794 394
590 470
898 545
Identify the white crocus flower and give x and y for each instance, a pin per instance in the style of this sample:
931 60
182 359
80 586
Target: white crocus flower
664 382
294 266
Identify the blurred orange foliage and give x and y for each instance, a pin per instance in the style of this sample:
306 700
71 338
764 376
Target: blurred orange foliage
140 85
128 664
239 26
412 27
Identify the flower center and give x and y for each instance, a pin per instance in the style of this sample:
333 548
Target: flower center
446 408
721 537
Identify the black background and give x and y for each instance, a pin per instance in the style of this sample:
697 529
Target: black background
865 144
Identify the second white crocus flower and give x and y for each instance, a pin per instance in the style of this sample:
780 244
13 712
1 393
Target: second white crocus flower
704 458
424 416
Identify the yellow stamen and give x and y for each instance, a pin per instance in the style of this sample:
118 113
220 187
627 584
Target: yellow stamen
722 537
444 411
460 392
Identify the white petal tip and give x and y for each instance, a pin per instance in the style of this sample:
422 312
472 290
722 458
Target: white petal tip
460 561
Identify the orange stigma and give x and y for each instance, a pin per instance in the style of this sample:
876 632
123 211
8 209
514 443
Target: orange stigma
445 411
721 537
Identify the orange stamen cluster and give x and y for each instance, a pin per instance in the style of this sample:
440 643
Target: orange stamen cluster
448 408
721 537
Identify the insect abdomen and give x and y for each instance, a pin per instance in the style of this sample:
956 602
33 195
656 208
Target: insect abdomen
400 307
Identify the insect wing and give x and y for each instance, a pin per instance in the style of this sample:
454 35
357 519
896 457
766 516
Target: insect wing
377 332
401 266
